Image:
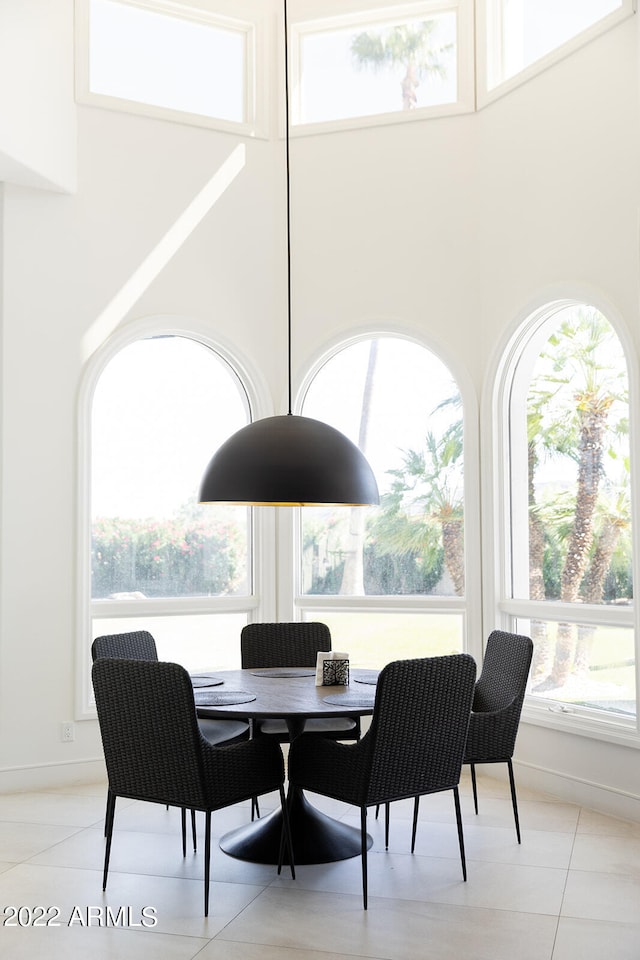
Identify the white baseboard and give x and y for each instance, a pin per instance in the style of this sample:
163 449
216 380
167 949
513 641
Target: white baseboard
51 775
594 796
589 794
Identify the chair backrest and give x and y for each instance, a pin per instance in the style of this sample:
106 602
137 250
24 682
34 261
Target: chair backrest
283 644
419 726
149 728
137 645
505 669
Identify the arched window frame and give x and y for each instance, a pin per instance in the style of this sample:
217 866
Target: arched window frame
501 608
258 603
295 605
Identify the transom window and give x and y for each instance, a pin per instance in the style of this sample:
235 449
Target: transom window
521 32
183 60
389 62
211 62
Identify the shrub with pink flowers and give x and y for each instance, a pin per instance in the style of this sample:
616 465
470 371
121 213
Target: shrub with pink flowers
177 557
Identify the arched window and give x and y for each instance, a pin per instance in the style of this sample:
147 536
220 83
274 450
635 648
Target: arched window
372 572
159 560
569 577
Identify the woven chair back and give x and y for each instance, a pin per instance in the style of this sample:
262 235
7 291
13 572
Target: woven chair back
283 644
419 725
505 669
137 645
149 731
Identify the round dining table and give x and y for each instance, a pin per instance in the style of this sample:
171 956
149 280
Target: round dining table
289 694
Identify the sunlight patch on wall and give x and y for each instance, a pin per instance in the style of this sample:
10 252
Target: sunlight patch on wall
177 234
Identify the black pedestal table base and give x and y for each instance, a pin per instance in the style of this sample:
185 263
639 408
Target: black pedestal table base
317 838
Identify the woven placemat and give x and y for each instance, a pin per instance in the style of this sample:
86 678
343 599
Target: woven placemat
370 680
205 680
349 699
215 698
285 672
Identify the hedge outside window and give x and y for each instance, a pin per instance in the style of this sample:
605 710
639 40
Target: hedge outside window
156 421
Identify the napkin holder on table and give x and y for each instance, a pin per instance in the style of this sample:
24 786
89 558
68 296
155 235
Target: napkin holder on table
332 669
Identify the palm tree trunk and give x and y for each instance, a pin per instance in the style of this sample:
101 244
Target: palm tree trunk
453 546
409 87
593 423
594 589
352 584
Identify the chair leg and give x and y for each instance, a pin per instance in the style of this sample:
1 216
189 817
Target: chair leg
456 797
512 784
474 786
416 804
108 832
183 820
193 831
387 809
363 853
207 859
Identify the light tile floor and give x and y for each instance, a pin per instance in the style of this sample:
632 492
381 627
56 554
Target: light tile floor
570 891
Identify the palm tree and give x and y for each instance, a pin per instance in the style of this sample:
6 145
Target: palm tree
411 46
589 381
424 512
552 440
614 518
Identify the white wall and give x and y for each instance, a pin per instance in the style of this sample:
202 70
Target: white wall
559 185
451 229
37 132
67 257
560 200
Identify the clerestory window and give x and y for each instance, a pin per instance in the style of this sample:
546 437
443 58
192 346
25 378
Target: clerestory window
410 60
522 33
191 62
210 62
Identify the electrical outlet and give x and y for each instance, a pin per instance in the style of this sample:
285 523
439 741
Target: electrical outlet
68 733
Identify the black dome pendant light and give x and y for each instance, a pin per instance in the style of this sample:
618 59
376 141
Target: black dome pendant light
289 460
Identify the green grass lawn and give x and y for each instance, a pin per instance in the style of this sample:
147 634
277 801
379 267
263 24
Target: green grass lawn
374 639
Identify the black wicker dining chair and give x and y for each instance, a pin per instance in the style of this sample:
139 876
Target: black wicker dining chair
154 750
264 645
497 705
414 746
140 645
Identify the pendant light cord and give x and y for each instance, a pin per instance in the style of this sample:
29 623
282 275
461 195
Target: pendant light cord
286 143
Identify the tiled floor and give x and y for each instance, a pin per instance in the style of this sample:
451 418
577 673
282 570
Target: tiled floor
571 891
